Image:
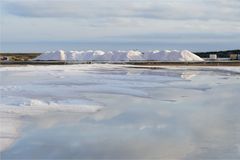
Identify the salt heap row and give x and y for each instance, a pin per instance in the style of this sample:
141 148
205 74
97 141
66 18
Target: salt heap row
98 55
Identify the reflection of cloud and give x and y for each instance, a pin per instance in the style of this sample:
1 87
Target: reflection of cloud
12 119
214 125
200 123
161 71
189 75
164 113
238 147
9 131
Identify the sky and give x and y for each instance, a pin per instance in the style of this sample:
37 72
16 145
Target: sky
167 24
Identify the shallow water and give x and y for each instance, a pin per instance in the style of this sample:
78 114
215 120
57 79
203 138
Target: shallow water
117 112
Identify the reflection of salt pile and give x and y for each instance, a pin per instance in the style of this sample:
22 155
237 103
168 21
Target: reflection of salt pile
172 56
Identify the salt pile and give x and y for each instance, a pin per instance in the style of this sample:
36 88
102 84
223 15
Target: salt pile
98 55
53 56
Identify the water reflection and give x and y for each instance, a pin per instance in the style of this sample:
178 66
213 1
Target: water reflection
148 71
175 119
141 129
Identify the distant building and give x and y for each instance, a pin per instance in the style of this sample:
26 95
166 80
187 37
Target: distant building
213 56
235 56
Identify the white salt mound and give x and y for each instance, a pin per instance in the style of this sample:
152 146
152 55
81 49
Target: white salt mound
98 55
53 56
135 55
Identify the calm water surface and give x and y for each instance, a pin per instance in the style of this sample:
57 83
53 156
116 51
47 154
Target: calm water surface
183 113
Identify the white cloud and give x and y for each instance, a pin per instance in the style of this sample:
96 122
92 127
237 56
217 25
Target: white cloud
135 20
156 9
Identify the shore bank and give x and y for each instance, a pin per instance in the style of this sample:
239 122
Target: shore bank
157 63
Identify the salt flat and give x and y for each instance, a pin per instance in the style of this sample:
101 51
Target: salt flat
72 111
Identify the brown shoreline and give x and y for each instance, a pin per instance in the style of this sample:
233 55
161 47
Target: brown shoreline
144 63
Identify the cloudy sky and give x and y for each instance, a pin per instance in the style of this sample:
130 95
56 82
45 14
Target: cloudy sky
215 23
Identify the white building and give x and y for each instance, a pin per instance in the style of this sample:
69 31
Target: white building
213 56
